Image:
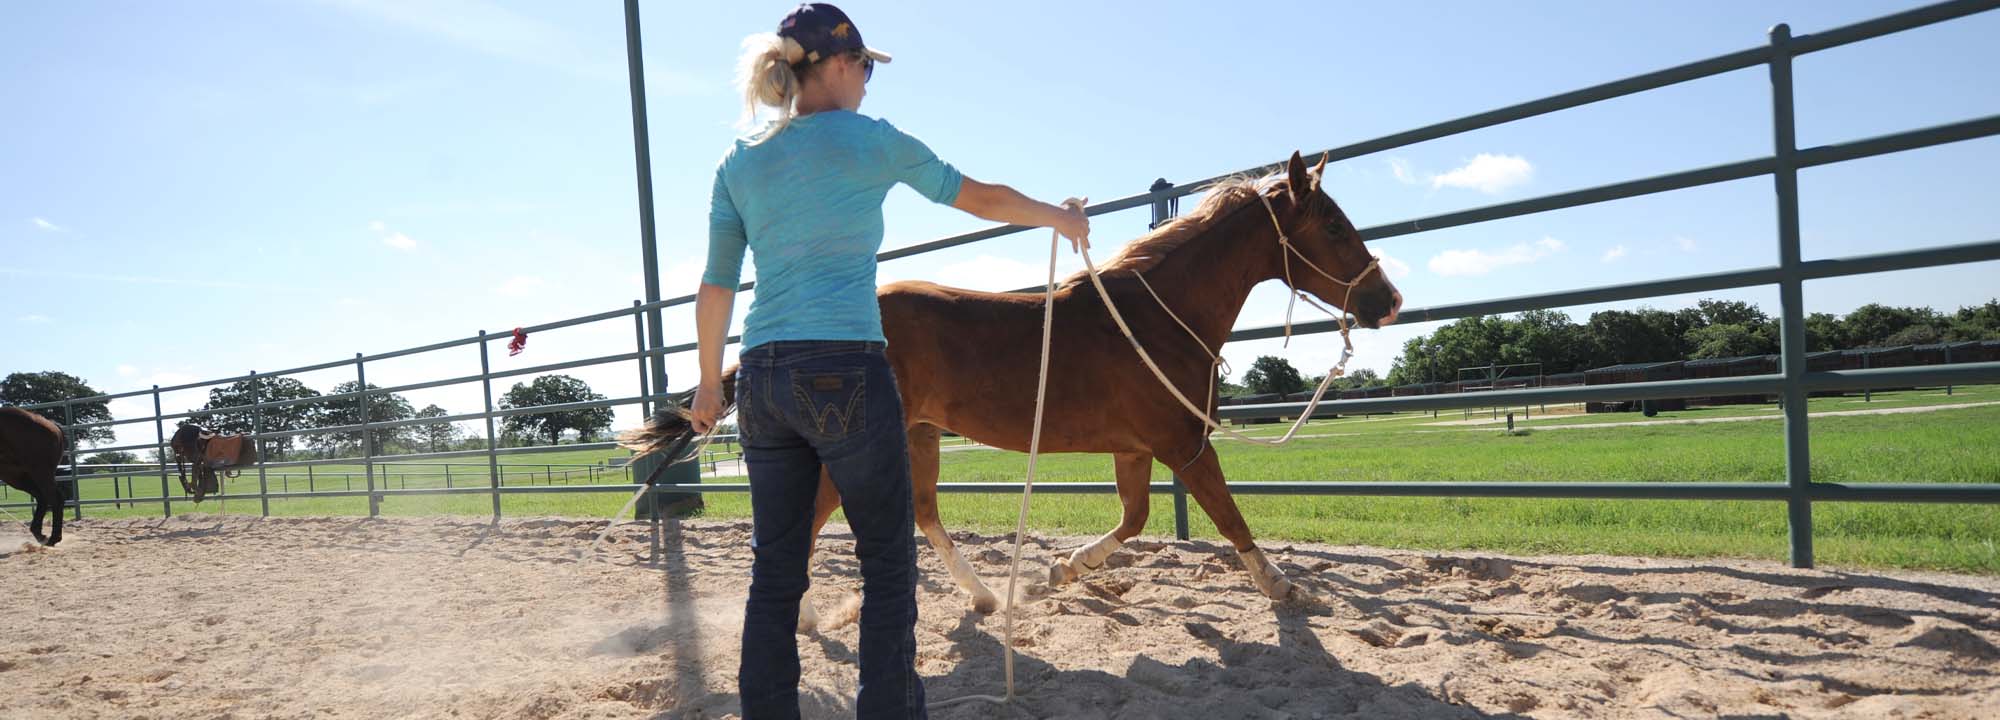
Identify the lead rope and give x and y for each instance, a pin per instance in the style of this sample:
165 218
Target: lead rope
1034 451
17 519
694 449
1284 242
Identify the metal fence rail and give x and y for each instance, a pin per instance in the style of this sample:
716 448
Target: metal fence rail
1792 383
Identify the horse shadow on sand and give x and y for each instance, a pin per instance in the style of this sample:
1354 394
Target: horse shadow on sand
1295 677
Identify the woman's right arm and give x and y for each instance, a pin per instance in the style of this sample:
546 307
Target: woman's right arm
999 203
716 300
713 305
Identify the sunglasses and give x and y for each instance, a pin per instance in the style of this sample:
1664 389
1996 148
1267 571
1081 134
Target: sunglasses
867 66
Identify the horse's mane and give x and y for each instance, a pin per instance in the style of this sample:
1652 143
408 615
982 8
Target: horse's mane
1152 248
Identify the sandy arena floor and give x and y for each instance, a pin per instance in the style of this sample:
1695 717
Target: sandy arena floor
205 617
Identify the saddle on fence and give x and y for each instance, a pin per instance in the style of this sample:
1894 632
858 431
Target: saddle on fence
222 452
210 452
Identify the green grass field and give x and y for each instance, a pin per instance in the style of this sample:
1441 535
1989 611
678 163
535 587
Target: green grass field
1954 445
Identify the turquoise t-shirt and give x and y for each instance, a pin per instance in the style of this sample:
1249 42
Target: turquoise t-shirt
808 205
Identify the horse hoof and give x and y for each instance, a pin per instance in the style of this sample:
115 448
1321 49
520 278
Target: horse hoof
985 604
1266 575
848 613
1060 573
808 618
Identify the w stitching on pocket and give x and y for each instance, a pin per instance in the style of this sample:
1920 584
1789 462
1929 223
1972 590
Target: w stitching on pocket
746 406
852 417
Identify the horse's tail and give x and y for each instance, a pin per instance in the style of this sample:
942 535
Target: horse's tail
669 431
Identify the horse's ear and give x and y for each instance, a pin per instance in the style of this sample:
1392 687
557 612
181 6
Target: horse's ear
1300 178
1319 171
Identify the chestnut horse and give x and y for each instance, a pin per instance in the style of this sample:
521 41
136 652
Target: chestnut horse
30 448
966 361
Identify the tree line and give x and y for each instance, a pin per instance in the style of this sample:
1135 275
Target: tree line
311 409
1710 329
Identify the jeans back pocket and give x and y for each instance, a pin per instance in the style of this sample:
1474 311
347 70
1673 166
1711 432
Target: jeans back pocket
832 404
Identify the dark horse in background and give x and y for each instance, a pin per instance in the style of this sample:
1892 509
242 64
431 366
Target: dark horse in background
966 361
30 448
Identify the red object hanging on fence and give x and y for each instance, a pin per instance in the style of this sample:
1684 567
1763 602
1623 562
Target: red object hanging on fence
519 343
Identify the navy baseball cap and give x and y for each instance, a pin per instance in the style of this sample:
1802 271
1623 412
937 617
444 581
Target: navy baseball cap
824 31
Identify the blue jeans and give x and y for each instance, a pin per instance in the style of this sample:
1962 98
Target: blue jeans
801 405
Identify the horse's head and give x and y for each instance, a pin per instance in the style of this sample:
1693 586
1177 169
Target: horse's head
1326 240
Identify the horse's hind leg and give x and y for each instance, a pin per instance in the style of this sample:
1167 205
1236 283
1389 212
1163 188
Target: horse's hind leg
55 509
1135 477
923 484
824 504
55 494
1204 481
41 509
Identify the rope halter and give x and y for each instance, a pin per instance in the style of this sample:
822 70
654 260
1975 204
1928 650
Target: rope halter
1290 251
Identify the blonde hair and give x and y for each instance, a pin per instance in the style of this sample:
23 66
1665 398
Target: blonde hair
765 74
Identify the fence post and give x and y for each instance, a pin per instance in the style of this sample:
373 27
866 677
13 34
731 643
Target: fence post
160 436
645 383
1947 361
1867 393
1791 294
257 441
367 441
492 446
75 466
1180 509
1164 210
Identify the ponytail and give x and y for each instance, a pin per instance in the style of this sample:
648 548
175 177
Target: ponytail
765 74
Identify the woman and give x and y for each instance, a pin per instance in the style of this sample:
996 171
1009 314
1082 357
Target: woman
804 195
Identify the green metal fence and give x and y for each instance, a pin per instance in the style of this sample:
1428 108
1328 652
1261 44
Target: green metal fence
1798 492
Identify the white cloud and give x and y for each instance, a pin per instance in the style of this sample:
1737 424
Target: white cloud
1394 268
1479 262
33 319
139 279
399 241
1487 173
127 371
1614 254
683 277
349 302
392 238
489 28
47 226
1401 169
1686 244
521 285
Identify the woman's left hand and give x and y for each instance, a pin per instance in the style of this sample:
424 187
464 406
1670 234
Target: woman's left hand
1075 224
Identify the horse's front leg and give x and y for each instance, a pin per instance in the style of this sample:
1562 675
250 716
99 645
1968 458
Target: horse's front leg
1135 477
1204 481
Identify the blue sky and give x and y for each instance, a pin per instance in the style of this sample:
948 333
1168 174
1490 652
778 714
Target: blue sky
362 175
